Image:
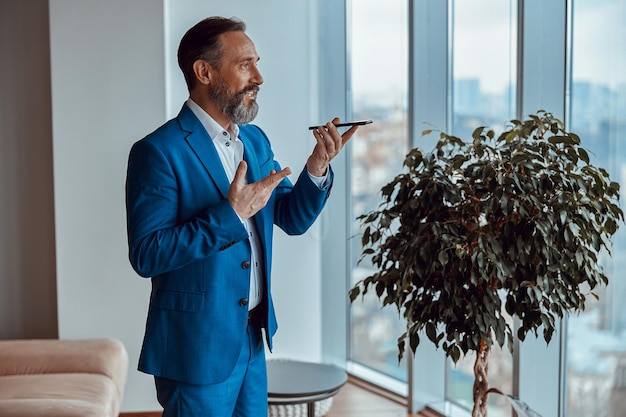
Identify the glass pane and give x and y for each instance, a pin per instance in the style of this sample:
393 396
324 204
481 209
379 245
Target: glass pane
596 339
483 64
379 54
483 93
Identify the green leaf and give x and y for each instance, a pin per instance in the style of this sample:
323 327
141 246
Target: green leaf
414 341
431 332
443 257
610 226
582 153
510 136
478 132
565 140
354 293
455 354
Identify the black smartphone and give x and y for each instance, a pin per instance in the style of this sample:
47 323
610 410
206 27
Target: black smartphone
357 122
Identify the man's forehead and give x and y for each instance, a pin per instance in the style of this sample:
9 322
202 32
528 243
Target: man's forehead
238 45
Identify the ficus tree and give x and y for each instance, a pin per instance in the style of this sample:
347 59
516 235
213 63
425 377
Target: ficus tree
511 223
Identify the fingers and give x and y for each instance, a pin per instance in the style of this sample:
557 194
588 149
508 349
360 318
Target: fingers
274 178
235 195
248 199
348 134
345 137
271 181
334 138
329 135
330 140
240 175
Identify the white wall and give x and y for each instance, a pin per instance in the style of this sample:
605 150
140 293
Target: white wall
110 64
107 92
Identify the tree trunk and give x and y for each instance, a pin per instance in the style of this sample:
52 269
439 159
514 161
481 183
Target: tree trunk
481 385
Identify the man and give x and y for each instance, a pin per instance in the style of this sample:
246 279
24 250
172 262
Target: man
203 192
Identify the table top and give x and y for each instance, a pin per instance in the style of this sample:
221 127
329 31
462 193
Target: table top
290 379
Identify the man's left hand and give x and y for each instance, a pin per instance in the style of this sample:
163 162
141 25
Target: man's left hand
329 144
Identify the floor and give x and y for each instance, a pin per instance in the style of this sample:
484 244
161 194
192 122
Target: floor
353 400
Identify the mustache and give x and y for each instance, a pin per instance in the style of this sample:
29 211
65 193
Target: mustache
253 87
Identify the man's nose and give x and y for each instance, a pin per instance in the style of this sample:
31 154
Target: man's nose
257 78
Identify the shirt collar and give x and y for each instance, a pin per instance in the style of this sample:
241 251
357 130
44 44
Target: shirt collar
210 125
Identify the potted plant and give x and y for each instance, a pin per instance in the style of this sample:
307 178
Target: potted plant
513 224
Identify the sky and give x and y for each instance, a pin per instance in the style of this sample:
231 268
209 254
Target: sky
483 43
600 41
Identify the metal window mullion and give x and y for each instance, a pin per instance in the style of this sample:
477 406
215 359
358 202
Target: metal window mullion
541 81
334 88
429 75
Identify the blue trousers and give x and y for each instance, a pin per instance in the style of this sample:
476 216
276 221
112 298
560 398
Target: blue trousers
243 394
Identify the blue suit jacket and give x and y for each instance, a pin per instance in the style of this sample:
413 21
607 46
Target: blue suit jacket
183 233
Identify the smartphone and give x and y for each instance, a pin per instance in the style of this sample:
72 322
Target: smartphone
357 122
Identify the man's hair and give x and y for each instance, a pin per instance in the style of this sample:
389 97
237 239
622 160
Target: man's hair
202 42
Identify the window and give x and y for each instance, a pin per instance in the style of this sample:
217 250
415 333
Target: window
493 61
379 83
596 339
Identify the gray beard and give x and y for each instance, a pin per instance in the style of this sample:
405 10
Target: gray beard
232 105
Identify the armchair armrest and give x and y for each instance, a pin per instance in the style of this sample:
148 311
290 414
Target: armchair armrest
42 356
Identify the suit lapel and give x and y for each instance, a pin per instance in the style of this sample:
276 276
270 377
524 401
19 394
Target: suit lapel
202 145
253 164
254 174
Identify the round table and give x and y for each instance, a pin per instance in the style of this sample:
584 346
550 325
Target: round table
294 382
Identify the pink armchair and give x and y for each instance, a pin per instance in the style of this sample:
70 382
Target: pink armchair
62 378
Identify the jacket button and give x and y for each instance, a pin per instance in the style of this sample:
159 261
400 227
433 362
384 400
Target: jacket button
245 265
243 302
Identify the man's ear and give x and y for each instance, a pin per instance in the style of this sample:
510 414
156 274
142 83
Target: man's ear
203 71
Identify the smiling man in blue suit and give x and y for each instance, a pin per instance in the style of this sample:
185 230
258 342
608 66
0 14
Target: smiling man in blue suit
203 193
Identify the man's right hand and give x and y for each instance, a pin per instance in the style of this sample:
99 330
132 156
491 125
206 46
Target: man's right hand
248 199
